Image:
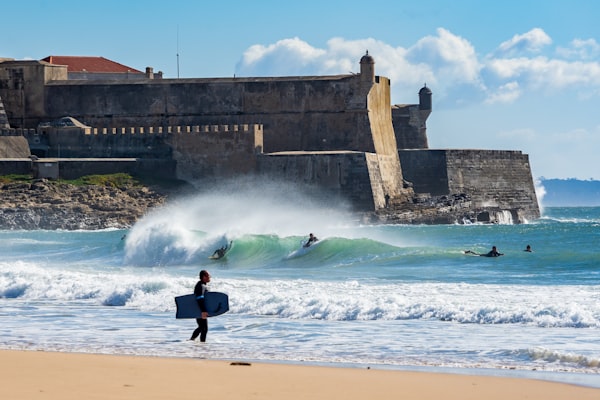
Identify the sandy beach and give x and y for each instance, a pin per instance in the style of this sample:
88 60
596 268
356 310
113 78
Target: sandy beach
47 375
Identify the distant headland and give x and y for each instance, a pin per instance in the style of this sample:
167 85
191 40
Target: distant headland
570 193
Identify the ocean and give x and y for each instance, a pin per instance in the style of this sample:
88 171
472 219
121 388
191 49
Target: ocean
365 296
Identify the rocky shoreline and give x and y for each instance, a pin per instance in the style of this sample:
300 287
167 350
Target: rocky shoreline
43 204
52 205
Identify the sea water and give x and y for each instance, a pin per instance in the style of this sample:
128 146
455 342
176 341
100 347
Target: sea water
377 296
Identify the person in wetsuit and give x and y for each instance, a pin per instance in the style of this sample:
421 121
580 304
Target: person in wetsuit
492 253
219 253
311 239
199 291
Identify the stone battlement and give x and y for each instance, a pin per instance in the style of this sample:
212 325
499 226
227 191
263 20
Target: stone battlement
165 130
138 142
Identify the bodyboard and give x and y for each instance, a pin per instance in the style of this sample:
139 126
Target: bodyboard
217 257
216 303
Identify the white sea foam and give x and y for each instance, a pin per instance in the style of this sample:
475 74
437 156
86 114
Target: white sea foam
564 306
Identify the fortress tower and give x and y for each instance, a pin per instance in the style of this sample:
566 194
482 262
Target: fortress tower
410 121
425 102
367 69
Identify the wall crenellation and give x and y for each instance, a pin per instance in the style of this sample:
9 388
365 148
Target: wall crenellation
163 130
139 130
153 142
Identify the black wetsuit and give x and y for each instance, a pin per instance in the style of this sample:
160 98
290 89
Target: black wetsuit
219 253
311 241
492 253
202 328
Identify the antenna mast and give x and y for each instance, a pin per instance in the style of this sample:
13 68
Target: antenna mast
177 51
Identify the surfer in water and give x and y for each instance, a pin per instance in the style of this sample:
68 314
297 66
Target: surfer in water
199 291
492 253
528 249
220 253
311 239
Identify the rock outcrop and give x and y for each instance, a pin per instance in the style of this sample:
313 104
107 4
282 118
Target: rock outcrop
51 205
43 204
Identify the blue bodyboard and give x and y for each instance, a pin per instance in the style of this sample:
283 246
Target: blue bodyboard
216 303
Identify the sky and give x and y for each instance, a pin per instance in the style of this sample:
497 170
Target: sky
505 75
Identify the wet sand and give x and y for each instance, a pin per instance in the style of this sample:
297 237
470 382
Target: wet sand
62 376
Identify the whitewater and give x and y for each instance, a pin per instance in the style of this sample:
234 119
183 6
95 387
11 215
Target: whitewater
378 296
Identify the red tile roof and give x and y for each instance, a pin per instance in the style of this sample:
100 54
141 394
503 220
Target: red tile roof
90 64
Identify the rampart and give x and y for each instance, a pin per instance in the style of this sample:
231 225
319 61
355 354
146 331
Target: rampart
200 152
410 126
494 179
344 178
215 152
13 146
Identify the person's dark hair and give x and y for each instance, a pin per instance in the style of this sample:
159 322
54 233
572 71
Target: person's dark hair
203 273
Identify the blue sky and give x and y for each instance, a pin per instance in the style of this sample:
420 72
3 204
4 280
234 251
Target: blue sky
511 75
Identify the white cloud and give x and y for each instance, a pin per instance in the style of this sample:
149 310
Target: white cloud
507 93
443 61
576 70
448 55
532 41
580 49
285 57
447 63
543 73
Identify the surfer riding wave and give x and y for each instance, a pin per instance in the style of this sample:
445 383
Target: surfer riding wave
220 253
311 240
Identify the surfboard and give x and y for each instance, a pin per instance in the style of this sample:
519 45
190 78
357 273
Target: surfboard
216 303
303 249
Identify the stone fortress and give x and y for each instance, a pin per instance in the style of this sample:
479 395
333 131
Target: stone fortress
337 136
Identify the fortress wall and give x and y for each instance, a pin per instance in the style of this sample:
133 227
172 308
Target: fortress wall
410 127
14 147
19 166
334 179
140 141
426 170
384 141
493 178
98 143
216 152
22 86
73 168
379 190
380 118
298 113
